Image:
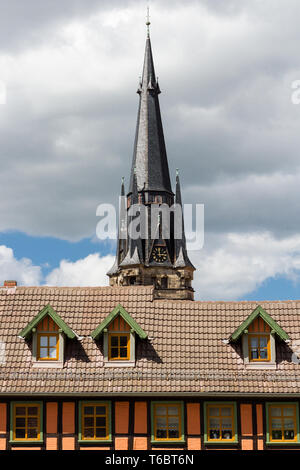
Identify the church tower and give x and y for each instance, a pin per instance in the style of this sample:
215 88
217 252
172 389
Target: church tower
158 256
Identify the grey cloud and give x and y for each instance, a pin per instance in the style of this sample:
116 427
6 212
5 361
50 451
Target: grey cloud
226 109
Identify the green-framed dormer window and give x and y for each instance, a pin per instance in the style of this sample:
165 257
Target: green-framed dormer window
282 423
94 421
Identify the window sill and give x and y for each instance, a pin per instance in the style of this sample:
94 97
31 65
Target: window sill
48 364
168 442
283 443
94 441
260 365
226 442
27 442
119 364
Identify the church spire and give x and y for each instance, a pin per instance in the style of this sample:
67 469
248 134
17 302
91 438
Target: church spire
149 155
152 254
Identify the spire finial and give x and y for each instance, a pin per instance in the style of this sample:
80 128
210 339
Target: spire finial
177 172
148 22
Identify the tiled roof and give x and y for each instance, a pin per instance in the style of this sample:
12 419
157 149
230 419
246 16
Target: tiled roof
185 351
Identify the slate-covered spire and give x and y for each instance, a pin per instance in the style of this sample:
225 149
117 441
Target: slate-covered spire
149 155
181 256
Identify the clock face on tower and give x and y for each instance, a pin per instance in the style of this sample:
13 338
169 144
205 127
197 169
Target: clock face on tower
159 254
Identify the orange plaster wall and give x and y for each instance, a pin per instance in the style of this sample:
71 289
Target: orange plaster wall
194 443
259 419
140 417
193 418
3 408
260 444
246 420
140 443
247 444
122 417
68 443
68 418
121 443
51 443
51 417
2 444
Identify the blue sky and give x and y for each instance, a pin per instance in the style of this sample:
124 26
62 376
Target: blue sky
68 121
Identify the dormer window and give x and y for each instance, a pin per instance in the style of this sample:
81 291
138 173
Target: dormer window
48 333
119 331
118 346
47 339
259 341
258 335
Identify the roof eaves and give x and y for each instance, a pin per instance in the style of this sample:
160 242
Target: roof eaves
119 310
259 311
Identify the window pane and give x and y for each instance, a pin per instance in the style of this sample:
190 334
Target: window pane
173 410
88 432
275 411
254 343
32 410
114 352
263 341
123 340
214 434
43 352
20 410
173 423
52 353
20 422
225 411
100 432
32 422
161 423
101 421
214 424
226 423
277 434
173 434
213 411
52 341
114 341
100 410
43 340
254 354
88 410
289 434
263 354
288 423
287 411
20 433
89 421
32 434
227 434
161 410
276 423
123 352
161 434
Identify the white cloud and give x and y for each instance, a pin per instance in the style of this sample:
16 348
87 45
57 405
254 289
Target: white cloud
22 270
89 271
242 263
